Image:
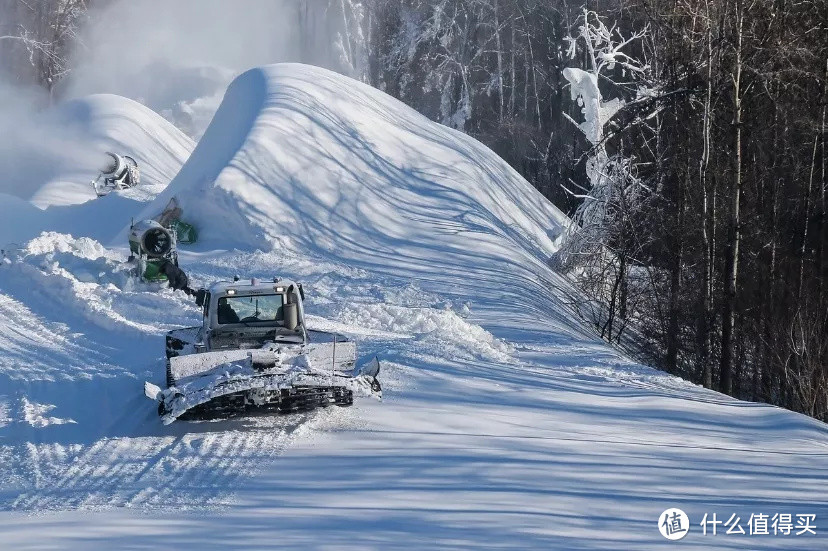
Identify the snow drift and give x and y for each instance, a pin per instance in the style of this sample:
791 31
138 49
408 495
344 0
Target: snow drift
290 160
60 151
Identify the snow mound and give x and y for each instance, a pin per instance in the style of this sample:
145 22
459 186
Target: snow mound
290 161
106 122
441 329
58 154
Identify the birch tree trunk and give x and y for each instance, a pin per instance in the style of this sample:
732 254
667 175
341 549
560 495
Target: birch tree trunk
675 283
732 258
707 215
823 220
512 70
535 83
803 250
499 44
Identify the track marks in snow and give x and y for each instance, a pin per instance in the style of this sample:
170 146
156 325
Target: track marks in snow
189 470
83 279
4 412
35 349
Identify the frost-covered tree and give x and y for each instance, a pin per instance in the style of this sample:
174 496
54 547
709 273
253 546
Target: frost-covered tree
351 40
438 48
603 48
600 240
37 36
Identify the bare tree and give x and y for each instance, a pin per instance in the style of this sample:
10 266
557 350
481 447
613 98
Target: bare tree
46 30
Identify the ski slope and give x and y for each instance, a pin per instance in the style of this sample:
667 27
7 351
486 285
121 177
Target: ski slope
505 422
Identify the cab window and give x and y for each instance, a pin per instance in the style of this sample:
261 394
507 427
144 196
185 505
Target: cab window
250 309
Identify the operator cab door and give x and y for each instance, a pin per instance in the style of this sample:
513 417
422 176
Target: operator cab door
203 299
295 295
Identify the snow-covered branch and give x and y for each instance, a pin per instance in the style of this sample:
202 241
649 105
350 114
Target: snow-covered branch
603 46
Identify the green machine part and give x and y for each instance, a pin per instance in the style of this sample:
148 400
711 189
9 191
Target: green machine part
186 233
152 270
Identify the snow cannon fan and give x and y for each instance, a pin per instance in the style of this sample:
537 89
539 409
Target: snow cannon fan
151 245
119 172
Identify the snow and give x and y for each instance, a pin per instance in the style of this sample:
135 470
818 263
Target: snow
597 112
505 423
47 172
35 414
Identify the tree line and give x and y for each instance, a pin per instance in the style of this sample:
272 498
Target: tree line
705 250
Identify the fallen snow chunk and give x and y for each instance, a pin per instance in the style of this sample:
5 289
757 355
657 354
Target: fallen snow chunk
438 330
35 414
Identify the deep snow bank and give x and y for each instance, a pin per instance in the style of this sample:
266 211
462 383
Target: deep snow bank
60 151
303 157
105 122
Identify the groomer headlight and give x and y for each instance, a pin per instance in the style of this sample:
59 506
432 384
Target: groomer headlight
231 292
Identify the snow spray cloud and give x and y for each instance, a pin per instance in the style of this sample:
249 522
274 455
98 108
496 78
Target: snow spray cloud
35 146
177 58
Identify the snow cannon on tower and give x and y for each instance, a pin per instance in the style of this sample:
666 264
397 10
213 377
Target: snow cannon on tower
119 172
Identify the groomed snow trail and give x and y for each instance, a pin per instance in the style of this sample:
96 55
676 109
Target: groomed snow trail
505 424
195 469
76 432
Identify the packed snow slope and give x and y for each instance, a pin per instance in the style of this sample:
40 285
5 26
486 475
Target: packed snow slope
61 150
105 122
505 422
291 160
